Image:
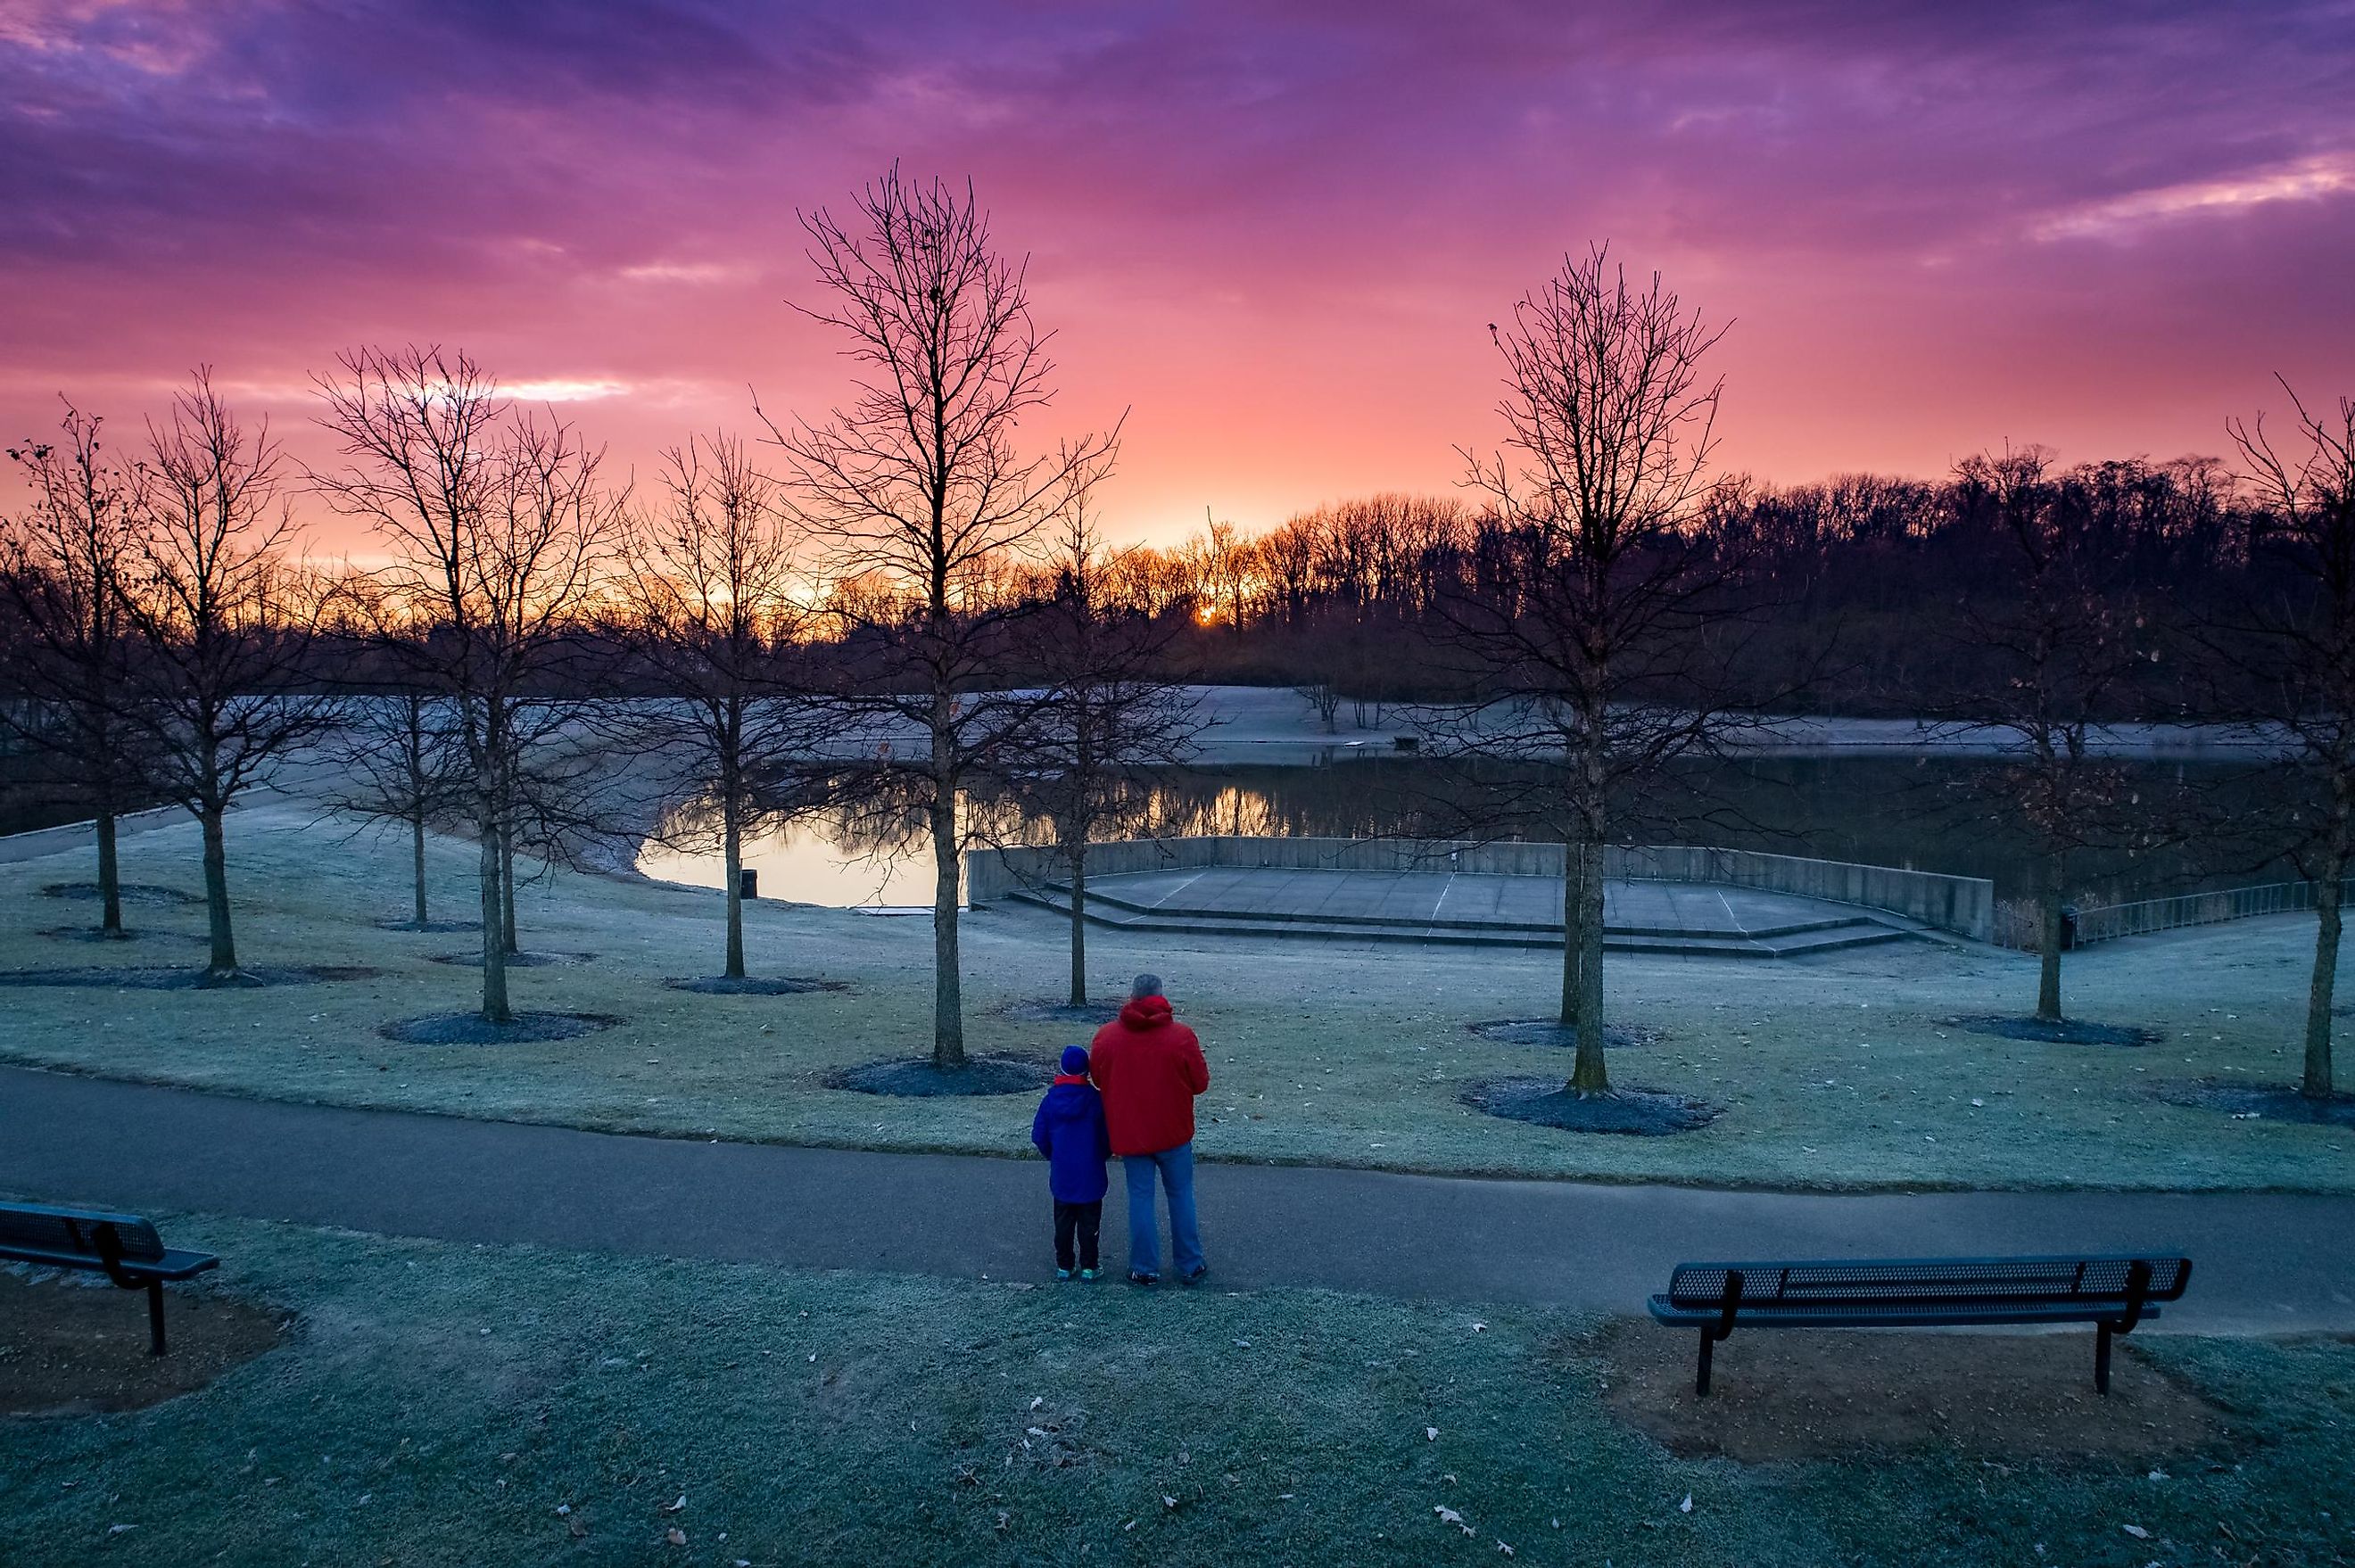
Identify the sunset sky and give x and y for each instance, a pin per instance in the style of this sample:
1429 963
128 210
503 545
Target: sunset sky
1273 232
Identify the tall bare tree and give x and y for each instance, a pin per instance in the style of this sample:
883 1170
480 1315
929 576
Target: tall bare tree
500 526
2053 644
397 756
223 619
62 563
918 488
1595 625
715 607
1111 708
2291 643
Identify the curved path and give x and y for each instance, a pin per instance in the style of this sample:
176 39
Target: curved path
2265 1262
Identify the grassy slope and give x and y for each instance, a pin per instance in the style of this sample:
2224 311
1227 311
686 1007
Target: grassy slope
438 1403
1837 1072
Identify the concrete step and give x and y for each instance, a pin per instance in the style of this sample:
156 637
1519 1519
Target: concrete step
1828 938
1057 896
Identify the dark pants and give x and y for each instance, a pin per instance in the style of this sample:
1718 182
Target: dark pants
1083 1220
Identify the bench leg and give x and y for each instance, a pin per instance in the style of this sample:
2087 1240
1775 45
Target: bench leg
2101 1358
1707 1352
155 1317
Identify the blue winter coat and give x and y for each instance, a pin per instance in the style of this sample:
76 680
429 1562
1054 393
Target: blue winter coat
1069 1131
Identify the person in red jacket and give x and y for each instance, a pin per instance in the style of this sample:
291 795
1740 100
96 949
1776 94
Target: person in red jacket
1149 1067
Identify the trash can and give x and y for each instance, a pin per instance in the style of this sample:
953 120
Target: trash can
747 883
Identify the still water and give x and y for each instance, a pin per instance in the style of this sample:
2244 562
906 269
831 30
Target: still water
1923 813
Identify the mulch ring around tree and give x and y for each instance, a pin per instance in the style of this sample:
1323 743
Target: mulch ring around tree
1557 1034
1637 1113
2068 1031
1041 1012
517 960
469 1028
74 1344
432 925
1803 1394
755 985
2260 1102
917 1079
253 977
130 894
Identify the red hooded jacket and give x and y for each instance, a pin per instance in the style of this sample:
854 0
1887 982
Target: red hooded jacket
1148 1067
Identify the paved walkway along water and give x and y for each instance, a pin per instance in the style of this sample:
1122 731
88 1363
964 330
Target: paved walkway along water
2263 1262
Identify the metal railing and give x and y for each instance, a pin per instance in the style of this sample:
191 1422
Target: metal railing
2146 915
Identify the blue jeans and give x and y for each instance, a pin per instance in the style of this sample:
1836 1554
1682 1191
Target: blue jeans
1177 1168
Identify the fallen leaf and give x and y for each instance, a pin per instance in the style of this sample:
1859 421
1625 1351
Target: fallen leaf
1449 1515
2137 1531
1685 1506
674 1508
1505 1549
676 1536
1431 1435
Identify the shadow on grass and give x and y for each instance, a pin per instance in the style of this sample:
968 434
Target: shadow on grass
470 1029
254 978
1043 1012
1555 1034
2068 1031
517 960
2261 1102
917 1079
130 893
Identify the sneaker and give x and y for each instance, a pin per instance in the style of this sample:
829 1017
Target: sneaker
1197 1277
1089 1274
1062 1273
1144 1279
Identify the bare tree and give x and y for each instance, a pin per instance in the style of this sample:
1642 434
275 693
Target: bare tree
919 489
714 607
2053 648
62 563
1111 709
398 755
1595 625
2291 645
223 621
500 526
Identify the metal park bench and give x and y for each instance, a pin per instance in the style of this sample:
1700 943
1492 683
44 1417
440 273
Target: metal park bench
2114 1293
123 1247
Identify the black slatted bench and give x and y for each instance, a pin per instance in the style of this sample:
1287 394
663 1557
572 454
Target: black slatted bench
123 1247
2112 1292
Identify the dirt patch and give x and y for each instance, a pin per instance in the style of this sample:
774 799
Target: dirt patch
1038 1012
921 1080
2068 1031
71 1347
755 986
1811 1394
434 925
2261 1102
1634 1113
130 893
158 980
1554 1033
517 960
469 1028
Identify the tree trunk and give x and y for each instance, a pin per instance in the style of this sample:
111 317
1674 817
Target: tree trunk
2048 943
109 879
506 893
1574 948
948 1001
495 946
732 855
2316 1081
1587 1072
1078 853
417 862
222 963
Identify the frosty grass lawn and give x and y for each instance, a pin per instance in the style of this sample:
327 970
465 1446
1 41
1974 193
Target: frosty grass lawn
1837 1072
444 1404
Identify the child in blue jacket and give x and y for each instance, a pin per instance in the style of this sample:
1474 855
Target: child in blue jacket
1069 1131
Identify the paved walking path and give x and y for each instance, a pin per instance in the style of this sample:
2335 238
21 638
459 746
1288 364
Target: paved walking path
2264 1263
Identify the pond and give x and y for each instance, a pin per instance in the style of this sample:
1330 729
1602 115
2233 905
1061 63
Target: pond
1923 813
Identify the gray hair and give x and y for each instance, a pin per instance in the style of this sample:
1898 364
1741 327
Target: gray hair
1147 986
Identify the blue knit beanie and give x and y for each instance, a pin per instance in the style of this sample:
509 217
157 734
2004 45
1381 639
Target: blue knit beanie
1075 1061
